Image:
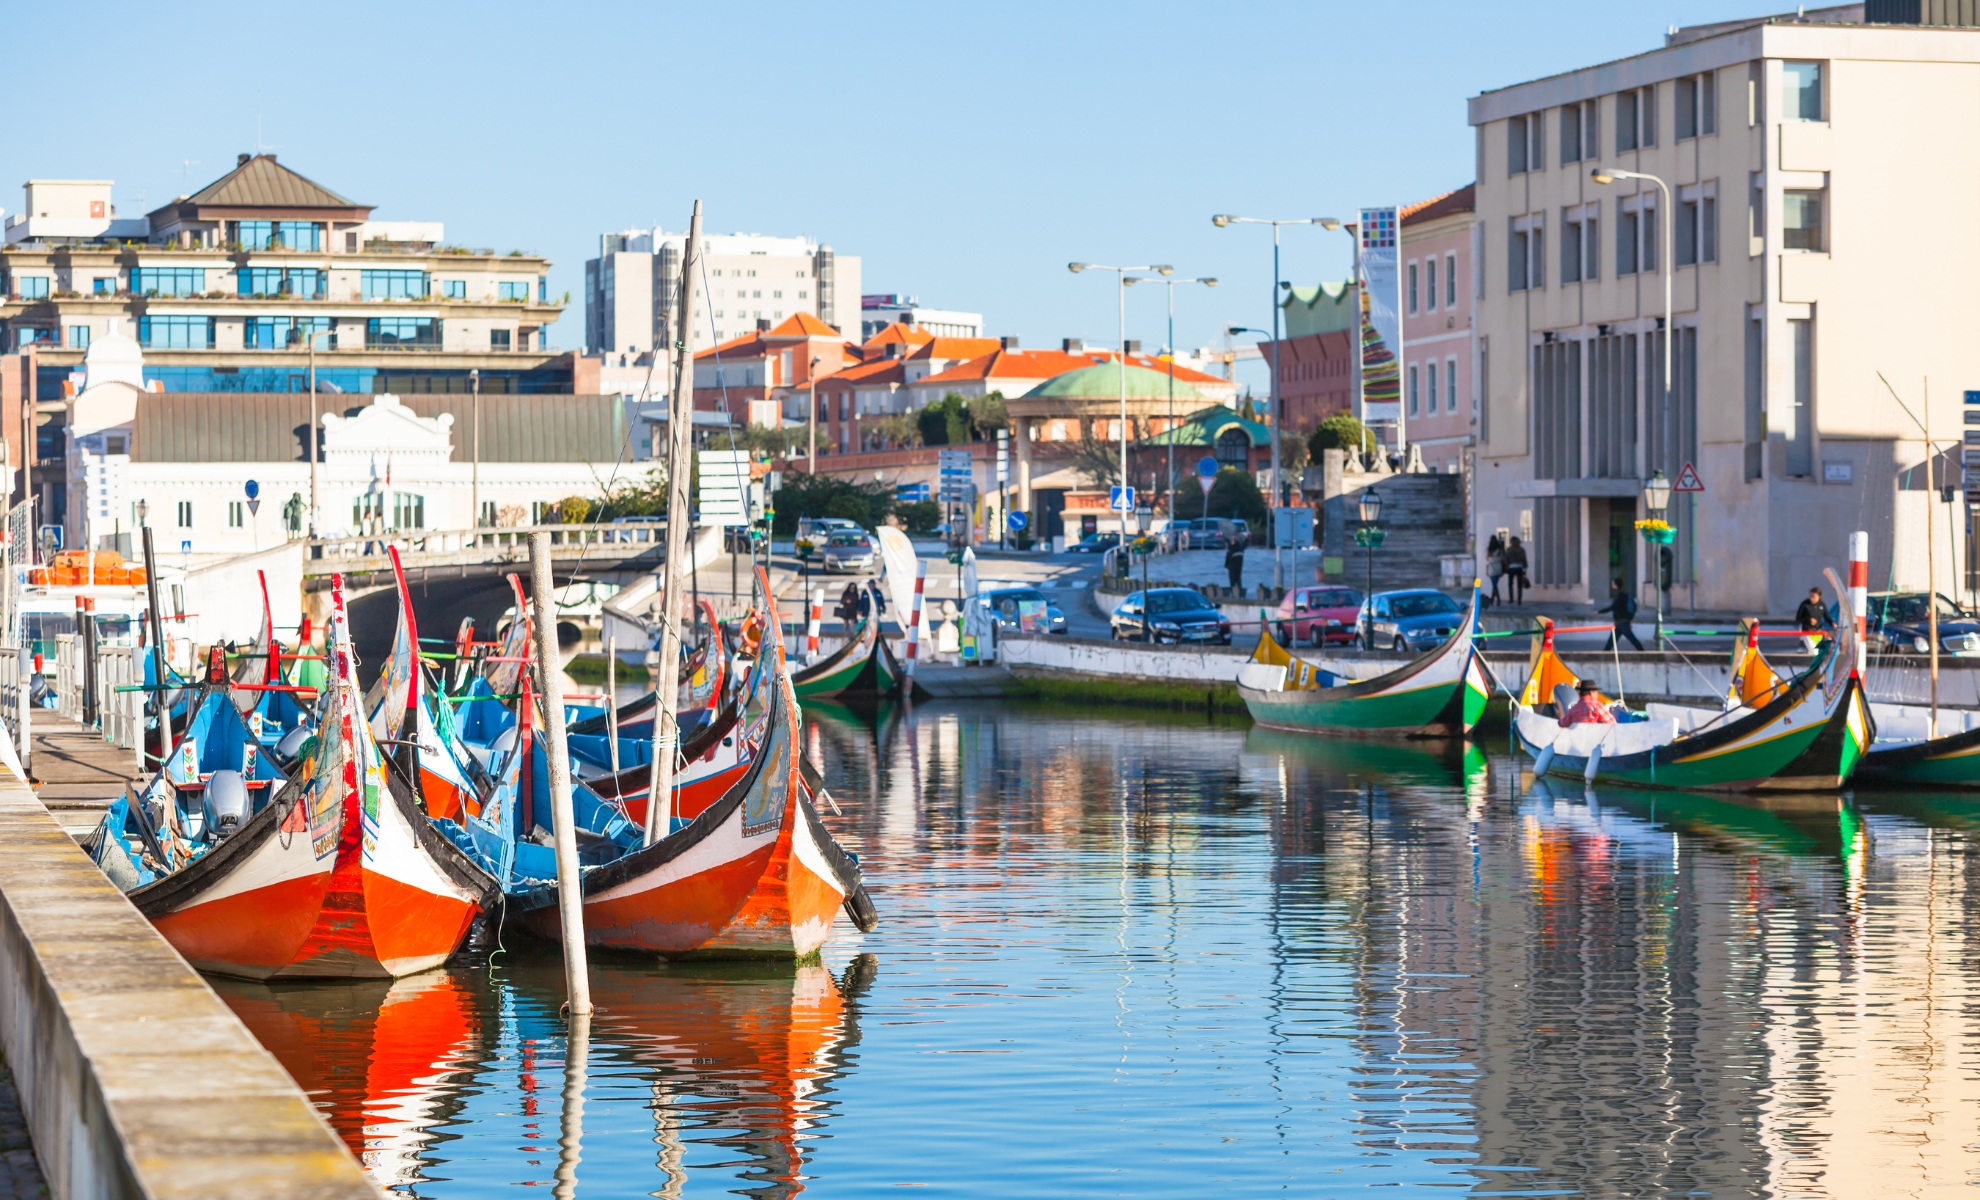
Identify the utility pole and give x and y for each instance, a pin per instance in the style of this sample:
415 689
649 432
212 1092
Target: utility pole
680 445
474 485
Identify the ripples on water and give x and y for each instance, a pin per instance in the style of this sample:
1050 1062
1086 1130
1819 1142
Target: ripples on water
1130 956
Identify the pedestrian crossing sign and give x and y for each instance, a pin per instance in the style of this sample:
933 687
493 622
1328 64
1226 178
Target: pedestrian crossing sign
1688 481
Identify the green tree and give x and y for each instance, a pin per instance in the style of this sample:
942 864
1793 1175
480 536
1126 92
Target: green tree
806 495
1234 494
899 430
987 415
1342 431
920 516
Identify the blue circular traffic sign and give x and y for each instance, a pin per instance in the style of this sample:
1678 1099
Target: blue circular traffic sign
1207 467
1017 521
253 490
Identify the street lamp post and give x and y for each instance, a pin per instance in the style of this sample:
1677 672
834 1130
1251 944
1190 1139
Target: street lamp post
811 419
1222 220
1370 537
474 487
1120 275
1169 482
314 508
1656 498
1607 175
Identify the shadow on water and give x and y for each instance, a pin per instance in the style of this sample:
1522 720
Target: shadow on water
1157 955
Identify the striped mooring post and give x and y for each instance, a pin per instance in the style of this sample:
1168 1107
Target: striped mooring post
811 627
1859 596
914 621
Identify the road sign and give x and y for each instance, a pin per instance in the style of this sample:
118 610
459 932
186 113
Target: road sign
723 497
254 506
1017 521
1120 499
1207 467
253 490
1687 480
1292 527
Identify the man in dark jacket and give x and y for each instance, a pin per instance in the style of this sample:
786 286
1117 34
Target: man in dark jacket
1234 563
1516 571
1622 606
1811 618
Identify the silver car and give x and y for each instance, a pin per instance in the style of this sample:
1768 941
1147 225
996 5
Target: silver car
849 552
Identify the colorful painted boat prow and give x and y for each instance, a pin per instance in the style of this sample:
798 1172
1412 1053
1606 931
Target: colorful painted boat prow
1441 693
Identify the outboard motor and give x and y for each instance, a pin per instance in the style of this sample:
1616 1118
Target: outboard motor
290 747
225 805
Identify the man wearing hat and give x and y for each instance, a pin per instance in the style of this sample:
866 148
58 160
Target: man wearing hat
1588 707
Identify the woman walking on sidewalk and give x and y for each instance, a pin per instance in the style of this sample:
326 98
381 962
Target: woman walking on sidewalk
1495 564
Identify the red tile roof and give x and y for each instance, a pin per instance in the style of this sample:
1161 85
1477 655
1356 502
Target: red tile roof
1463 200
877 371
1016 364
956 348
804 325
904 334
749 345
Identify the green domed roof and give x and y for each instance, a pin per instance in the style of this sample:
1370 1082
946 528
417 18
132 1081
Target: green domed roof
1102 381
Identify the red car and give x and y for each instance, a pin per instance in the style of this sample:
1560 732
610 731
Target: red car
1323 615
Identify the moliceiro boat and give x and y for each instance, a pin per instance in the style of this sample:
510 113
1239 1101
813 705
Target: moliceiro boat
1807 733
1441 693
864 666
1906 752
754 874
337 874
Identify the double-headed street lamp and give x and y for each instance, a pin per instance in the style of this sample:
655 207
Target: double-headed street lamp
1120 275
1169 484
1222 220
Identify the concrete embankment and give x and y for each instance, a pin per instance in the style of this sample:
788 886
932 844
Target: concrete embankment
1131 672
135 1079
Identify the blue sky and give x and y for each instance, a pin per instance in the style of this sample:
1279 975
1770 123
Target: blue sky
965 153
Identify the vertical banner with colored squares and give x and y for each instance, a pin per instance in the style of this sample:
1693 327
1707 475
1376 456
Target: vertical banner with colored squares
1381 316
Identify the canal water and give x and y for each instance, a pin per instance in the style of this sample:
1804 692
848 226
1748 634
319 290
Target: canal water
1167 956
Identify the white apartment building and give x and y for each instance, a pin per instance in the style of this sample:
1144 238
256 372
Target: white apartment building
1816 165
876 312
630 289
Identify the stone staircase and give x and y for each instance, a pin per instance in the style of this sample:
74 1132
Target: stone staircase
1422 517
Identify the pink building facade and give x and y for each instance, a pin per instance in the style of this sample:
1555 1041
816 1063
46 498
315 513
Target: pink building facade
1438 289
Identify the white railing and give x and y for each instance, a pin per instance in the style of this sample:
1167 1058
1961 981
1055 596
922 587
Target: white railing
68 676
511 544
17 700
120 714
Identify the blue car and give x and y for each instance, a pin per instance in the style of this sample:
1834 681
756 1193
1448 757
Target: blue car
1408 622
1172 615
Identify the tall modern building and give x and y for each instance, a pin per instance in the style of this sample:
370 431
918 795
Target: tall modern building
226 288
1781 172
753 282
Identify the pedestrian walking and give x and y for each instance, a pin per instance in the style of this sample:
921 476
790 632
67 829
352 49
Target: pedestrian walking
1622 606
1515 572
865 603
1811 618
1234 563
1495 564
848 604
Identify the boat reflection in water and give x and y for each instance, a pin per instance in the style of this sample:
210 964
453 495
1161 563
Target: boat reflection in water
456 1083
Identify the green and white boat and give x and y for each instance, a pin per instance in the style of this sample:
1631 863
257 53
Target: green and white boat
864 666
1440 694
1906 753
1808 733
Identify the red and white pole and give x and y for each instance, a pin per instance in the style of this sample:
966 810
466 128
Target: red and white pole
1859 596
811 626
914 623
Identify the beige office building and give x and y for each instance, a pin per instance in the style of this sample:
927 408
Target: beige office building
1817 166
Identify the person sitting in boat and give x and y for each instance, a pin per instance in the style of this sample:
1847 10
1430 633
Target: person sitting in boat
1588 707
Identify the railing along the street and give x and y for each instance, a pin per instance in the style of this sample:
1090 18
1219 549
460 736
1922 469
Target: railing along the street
508 544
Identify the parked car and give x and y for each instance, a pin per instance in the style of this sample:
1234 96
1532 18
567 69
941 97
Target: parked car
1408 621
1094 543
1173 615
852 551
1320 615
1002 604
1899 624
1205 533
821 528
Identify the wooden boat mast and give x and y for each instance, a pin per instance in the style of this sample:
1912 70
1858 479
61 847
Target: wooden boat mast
680 444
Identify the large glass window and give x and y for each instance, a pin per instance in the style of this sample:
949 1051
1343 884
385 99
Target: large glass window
454 289
78 337
498 339
304 283
518 292
278 235
408 511
168 281
387 332
1801 91
280 333
32 287
393 285
176 332
106 285
259 281
1801 220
